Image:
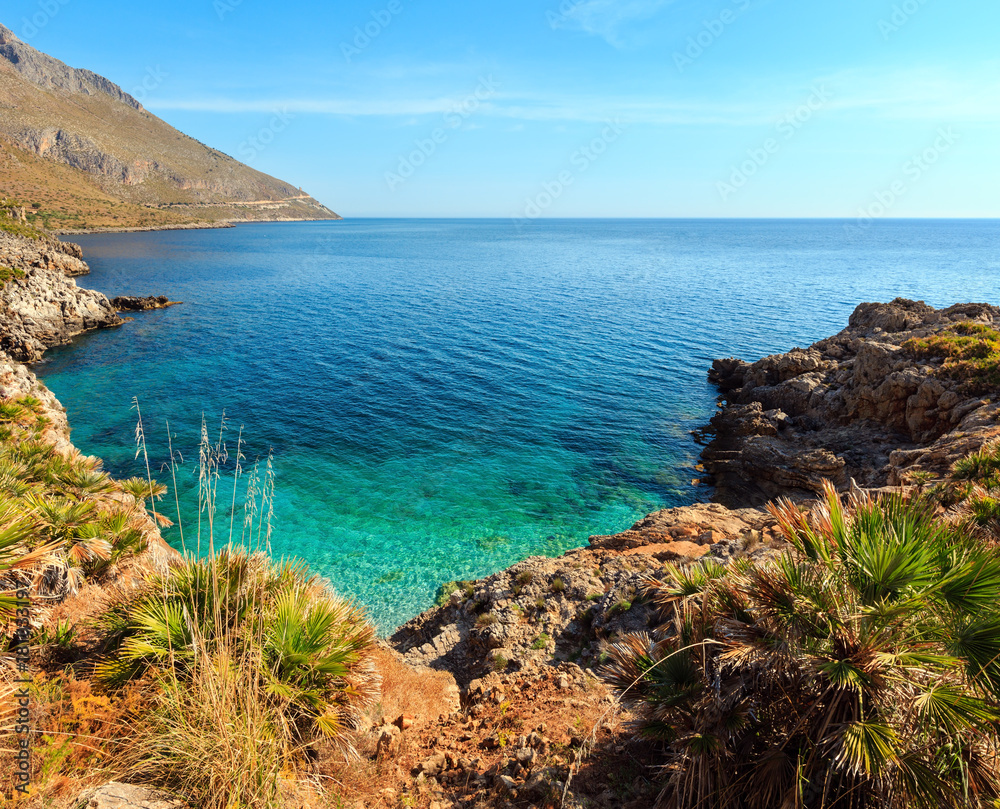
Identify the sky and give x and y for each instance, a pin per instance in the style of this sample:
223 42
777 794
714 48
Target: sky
570 108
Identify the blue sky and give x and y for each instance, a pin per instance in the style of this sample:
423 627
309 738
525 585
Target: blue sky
645 108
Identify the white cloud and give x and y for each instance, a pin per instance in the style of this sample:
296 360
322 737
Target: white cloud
923 94
613 20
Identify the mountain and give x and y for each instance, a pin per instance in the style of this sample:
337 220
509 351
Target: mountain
88 155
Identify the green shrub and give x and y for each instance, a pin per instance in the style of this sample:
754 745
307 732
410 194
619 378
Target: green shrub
18 228
558 585
444 592
312 643
541 641
620 607
860 670
58 520
9 274
252 662
982 466
971 354
61 635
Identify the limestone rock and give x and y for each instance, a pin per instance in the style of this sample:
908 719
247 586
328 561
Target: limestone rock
129 303
126 796
44 307
49 254
853 407
543 611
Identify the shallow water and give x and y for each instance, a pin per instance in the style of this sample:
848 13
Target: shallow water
445 398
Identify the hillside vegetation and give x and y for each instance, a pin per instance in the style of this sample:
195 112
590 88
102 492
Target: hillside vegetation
859 669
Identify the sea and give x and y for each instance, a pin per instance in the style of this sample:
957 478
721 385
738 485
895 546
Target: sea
404 403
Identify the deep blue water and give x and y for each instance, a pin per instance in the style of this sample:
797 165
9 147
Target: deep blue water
444 398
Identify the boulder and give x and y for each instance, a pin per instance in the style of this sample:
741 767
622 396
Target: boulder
126 796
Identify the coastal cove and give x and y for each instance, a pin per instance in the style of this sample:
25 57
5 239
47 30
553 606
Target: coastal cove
446 398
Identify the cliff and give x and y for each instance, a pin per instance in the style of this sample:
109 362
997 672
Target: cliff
40 304
93 157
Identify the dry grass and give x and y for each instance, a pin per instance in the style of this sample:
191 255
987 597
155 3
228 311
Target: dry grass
223 678
423 693
256 664
211 737
971 354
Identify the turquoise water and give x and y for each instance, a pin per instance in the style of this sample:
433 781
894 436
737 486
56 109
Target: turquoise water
444 398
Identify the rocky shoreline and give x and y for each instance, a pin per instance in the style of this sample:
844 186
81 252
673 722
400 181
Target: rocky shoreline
860 408
150 228
855 408
222 224
41 306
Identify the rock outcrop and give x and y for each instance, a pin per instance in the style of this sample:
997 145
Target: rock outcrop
853 407
43 253
40 306
564 608
51 74
129 303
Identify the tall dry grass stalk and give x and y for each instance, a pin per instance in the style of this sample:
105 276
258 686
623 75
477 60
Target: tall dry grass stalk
211 737
252 663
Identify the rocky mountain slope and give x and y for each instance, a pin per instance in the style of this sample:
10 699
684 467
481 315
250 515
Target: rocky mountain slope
70 138
886 398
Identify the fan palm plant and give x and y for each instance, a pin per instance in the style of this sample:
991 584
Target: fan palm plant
311 646
974 490
311 642
83 480
860 670
19 561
